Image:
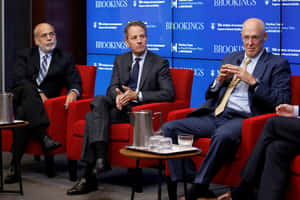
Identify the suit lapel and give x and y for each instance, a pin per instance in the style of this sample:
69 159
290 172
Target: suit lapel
52 62
125 71
146 68
260 66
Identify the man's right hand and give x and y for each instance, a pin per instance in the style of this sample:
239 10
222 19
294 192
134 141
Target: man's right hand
285 110
43 96
224 73
118 99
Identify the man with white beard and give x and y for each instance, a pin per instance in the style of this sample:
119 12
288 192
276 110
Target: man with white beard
39 73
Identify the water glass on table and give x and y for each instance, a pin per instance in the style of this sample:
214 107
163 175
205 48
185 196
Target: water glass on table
185 140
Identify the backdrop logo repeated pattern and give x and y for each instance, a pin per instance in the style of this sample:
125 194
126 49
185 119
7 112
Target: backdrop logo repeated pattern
194 34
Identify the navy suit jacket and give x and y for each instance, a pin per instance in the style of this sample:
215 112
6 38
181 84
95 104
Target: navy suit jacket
156 83
62 71
274 75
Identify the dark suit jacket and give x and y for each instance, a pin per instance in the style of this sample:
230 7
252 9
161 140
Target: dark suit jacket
155 84
62 71
274 75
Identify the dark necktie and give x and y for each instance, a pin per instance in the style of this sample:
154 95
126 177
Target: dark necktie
43 70
134 75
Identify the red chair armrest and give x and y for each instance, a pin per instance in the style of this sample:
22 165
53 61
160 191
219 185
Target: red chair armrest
58 118
164 107
179 114
78 109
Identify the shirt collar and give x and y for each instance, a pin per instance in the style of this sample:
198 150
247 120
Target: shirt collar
142 56
42 53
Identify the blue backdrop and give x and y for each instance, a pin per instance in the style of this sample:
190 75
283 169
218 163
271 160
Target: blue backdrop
194 34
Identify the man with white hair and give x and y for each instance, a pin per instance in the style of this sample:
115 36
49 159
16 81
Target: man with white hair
40 73
250 83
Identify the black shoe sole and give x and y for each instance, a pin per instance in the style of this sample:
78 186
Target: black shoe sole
76 192
51 148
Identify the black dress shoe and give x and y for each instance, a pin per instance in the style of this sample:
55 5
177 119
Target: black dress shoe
48 144
199 190
101 166
82 187
12 176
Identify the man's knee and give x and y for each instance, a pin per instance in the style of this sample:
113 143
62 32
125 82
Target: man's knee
99 100
168 128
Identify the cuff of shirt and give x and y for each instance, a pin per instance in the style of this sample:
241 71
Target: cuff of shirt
77 92
140 96
215 85
296 111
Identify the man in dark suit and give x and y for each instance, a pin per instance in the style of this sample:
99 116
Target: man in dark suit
237 93
139 77
268 167
40 73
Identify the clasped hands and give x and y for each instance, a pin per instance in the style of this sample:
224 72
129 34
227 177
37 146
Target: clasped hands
124 98
227 70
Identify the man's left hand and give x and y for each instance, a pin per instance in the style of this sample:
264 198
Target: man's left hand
72 96
129 95
242 74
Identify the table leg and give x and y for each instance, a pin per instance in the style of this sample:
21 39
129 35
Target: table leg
1 167
136 182
160 179
184 181
17 165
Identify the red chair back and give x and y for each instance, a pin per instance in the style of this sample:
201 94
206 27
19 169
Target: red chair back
295 87
88 79
183 89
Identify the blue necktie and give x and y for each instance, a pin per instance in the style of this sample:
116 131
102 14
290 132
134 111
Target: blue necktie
43 70
134 75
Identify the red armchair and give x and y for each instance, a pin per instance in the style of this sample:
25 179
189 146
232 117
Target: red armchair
122 134
229 174
58 119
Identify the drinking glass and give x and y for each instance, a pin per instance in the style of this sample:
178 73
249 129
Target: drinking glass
185 140
165 143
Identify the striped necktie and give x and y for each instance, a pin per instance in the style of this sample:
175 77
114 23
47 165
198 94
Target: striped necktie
229 90
43 70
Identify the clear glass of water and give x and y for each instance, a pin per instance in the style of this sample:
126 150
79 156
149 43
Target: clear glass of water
154 141
165 143
185 140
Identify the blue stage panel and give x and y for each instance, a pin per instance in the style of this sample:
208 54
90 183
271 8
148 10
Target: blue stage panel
291 31
104 65
210 29
106 21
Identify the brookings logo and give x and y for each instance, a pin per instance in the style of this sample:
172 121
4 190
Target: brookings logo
110 45
185 26
234 3
112 4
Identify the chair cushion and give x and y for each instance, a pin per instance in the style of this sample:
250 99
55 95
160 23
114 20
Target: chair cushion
295 166
119 132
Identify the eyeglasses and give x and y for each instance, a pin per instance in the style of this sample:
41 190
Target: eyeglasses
45 35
